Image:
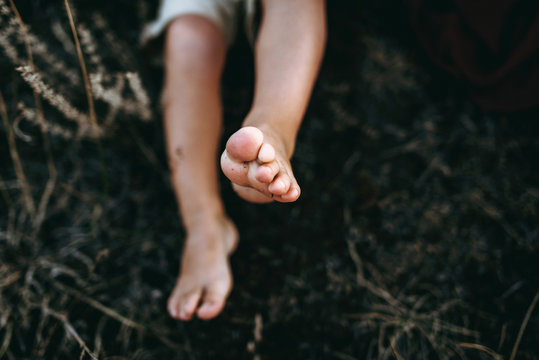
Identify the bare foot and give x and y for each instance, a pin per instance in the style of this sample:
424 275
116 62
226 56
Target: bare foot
205 278
258 165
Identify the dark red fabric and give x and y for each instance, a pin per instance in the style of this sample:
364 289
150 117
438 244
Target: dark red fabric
491 45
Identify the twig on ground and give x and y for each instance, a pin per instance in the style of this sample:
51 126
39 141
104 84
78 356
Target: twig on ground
482 348
98 341
393 344
523 326
87 85
7 339
257 337
502 336
10 231
360 277
69 329
10 279
116 315
5 193
28 201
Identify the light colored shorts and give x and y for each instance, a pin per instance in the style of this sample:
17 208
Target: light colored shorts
224 13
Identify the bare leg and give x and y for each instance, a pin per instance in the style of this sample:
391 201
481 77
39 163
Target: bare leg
194 58
288 55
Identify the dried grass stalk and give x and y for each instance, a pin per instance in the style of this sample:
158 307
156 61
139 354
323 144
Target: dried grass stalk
142 98
30 115
51 182
27 198
70 330
523 326
58 101
87 85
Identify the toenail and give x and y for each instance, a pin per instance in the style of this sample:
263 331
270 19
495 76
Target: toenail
206 305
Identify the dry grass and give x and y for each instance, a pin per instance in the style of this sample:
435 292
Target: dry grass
82 63
418 241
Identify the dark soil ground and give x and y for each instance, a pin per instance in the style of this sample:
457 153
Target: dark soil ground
416 236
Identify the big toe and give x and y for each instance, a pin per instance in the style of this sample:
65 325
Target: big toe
183 306
210 308
245 144
213 301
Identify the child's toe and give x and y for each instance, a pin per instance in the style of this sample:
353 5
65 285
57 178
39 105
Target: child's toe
280 185
235 171
213 300
267 172
292 194
174 308
266 153
210 308
188 304
244 144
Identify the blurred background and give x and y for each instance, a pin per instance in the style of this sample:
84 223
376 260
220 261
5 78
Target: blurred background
416 236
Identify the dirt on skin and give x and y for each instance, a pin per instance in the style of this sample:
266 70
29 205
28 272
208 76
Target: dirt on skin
415 236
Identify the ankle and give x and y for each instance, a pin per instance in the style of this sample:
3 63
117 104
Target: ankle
203 219
211 231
